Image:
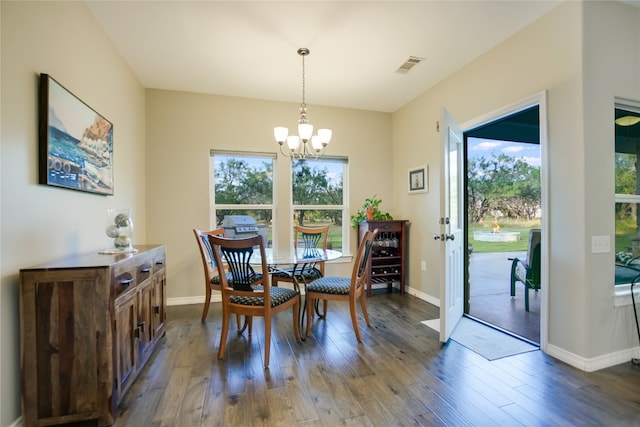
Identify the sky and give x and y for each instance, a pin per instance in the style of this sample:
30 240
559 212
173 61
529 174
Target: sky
530 153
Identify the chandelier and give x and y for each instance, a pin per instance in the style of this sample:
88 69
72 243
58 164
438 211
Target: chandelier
305 144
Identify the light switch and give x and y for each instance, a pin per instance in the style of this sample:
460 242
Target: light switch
423 265
600 244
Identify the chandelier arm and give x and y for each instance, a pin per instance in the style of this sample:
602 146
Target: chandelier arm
284 153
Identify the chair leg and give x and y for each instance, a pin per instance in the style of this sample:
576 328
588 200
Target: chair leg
325 308
309 308
224 334
354 318
513 278
207 300
267 340
363 304
296 319
526 297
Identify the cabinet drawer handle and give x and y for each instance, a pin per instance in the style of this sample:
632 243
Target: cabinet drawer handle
145 270
156 309
141 326
159 262
126 282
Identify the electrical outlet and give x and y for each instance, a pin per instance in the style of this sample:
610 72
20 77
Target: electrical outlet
600 244
423 265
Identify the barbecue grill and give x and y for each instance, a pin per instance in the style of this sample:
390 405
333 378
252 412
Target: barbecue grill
238 226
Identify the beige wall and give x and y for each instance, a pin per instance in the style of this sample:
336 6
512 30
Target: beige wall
42 223
549 55
612 68
581 54
182 128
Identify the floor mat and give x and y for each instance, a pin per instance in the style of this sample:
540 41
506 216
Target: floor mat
488 342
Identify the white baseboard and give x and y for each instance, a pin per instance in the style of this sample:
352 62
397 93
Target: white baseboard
594 363
424 297
192 300
17 423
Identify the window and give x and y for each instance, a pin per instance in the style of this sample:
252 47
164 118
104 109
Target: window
319 198
243 185
627 187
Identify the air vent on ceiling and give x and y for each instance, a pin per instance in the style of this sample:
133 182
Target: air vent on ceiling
411 62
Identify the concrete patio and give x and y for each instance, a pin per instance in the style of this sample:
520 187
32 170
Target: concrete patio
490 298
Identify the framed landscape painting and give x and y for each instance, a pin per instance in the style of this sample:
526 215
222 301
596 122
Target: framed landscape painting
419 179
75 142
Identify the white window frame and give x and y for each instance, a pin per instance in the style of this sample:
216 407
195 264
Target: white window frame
622 293
346 225
212 196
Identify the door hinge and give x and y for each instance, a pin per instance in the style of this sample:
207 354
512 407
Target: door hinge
437 125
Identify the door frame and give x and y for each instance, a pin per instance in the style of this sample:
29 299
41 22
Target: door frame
538 99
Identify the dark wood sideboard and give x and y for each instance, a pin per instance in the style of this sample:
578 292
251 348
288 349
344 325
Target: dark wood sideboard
388 260
88 324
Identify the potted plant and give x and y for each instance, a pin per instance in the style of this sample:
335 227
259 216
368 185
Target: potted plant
370 211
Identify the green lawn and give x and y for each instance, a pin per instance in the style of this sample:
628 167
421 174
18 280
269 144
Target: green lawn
522 227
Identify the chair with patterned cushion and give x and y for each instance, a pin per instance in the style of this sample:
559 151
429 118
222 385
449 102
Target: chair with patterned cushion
338 288
309 239
249 292
211 278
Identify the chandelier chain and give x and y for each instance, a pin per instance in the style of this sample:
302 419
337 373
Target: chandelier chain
303 81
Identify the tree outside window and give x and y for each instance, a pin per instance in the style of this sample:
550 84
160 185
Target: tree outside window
243 185
318 196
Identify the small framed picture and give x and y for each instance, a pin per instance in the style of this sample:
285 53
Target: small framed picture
419 179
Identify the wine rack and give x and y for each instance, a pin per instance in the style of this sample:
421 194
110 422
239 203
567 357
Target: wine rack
387 263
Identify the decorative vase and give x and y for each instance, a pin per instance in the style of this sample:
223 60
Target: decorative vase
119 228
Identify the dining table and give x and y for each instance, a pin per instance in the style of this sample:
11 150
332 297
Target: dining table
293 262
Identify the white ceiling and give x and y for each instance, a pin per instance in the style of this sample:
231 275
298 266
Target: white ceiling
248 48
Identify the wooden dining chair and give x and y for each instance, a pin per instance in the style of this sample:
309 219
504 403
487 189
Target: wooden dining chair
338 288
249 292
309 239
211 278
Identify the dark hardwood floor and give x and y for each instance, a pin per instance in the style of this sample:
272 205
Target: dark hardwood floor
400 376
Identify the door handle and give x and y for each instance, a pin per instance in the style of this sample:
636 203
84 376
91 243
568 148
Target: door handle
443 237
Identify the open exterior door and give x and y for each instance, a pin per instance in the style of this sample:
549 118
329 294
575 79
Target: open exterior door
451 235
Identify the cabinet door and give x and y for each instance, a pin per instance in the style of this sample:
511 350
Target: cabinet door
125 335
144 328
158 308
61 379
